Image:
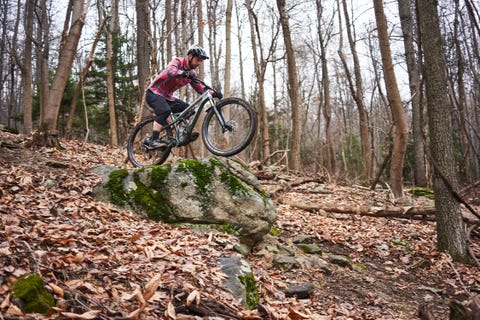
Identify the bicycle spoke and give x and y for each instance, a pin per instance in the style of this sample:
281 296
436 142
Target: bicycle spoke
234 136
139 153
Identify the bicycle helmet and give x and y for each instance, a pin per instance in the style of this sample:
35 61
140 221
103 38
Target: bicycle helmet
197 51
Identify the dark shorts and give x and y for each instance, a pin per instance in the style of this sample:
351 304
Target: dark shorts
163 107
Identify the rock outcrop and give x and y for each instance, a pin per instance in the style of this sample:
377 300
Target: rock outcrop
212 192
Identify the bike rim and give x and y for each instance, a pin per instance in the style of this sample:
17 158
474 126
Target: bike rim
242 125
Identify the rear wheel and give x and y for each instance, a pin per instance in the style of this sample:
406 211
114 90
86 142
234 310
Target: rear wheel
139 153
240 128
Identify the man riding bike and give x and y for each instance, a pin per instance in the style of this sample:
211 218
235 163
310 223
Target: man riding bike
159 95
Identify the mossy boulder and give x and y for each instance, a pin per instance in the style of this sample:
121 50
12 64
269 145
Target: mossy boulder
31 295
212 191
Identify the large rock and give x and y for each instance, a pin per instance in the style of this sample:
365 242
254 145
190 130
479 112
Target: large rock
219 192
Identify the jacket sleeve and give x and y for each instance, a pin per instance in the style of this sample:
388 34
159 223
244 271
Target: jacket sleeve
173 69
197 86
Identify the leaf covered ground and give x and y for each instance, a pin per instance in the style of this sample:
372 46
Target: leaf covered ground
102 262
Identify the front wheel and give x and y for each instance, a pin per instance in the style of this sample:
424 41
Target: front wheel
239 130
139 153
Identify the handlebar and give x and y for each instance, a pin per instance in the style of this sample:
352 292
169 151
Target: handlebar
203 83
216 94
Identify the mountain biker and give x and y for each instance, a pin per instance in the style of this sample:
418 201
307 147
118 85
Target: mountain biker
159 95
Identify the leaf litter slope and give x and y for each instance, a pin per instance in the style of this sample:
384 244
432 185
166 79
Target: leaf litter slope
103 262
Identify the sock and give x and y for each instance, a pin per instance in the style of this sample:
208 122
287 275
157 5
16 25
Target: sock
155 135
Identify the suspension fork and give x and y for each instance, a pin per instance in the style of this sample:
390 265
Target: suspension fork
219 115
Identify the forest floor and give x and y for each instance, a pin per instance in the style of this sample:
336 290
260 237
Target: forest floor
102 262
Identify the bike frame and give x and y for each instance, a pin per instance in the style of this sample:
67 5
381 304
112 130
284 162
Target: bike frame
197 105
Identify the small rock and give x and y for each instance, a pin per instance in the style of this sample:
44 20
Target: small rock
284 262
309 248
300 290
383 247
303 238
342 261
243 249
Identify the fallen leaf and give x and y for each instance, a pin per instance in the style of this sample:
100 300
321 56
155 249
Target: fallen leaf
171 311
56 289
152 286
87 315
194 296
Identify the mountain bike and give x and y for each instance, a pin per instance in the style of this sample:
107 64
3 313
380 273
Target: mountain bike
228 128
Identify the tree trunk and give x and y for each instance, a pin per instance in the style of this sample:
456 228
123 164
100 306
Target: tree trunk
228 48
200 147
260 68
461 101
59 82
399 118
25 63
212 37
450 226
112 46
143 50
293 88
43 52
168 20
357 94
406 20
27 69
240 53
327 109
3 42
83 76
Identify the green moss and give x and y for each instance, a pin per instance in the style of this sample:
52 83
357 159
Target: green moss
264 193
275 232
251 290
31 291
425 192
115 186
404 243
10 130
230 229
309 248
229 180
153 197
361 266
234 184
202 173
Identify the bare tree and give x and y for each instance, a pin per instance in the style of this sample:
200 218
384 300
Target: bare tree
112 46
143 48
168 20
260 65
240 51
43 53
75 19
83 76
228 48
324 35
399 118
407 23
3 46
356 89
450 225
25 62
26 68
461 101
293 88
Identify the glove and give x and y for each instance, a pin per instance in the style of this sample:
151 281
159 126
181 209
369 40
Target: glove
188 74
217 94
